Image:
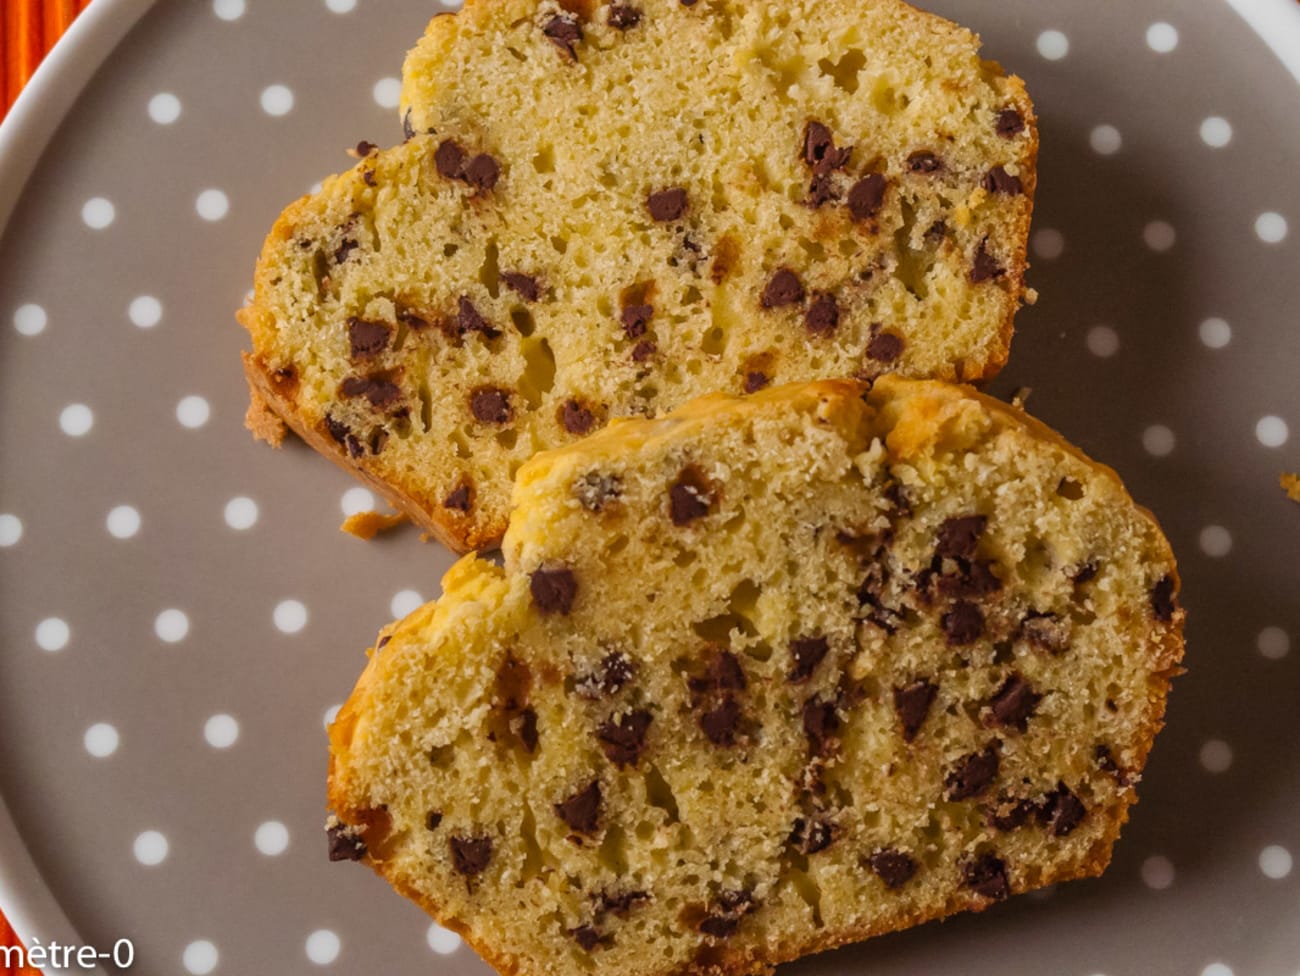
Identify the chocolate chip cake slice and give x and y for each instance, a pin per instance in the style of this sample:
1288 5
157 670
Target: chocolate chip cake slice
604 210
762 677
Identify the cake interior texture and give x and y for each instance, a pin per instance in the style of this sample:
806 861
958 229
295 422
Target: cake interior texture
765 676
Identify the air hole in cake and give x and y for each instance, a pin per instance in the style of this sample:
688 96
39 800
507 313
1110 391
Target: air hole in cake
1069 489
844 72
489 272
539 370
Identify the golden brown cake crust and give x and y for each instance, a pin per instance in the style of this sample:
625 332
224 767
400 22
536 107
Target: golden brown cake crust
1094 615
845 191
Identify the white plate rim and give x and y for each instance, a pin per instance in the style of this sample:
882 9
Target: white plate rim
28 903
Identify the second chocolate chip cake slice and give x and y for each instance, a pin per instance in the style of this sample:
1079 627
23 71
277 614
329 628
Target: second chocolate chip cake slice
763 677
604 210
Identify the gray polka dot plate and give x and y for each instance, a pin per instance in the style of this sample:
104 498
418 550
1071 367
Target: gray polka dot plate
179 614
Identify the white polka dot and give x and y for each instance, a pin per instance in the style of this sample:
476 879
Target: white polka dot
101 740
97 213
404 602
1216 541
1159 236
1053 45
11 530
341 6
322 947
52 634
271 838
30 319
145 311
123 522
1215 333
1161 37
1158 440
228 9
171 625
241 513
290 616
1103 341
442 941
1216 132
1216 756
1048 243
164 108
200 957
1105 140
1157 872
212 204
331 714
193 411
277 100
1272 431
1275 862
388 92
1216 969
1271 227
357 500
76 419
221 731
150 848
1273 643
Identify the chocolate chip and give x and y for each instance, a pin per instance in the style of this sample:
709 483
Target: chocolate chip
365 148
972 774
936 231
564 32
724 673
912 704
614 672
621 903
468 319
811 836
958 538
587 936
345 844
965 580
553 590
595 490
369 176
893 867
344 250
867 196
635 318
491 405
458 499
470 855
807 653
998 180
581 811
719 724
667 205
1009 814
379 392
986 875
724 917
622 741
689 498
924 161
576 418
1013 704
1085 573
689 3
1009 123
1046 631
985 266
433 820
817 139
449 159
821 722
623 17
963 624
823 315
338 429
643 350
1163 604
719 926
1061 811
482 172
1106 762
884 347
783 288
525 286
822 190
524 726
755 380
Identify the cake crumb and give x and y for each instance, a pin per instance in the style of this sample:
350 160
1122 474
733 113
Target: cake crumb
1291 485
261 420
367 525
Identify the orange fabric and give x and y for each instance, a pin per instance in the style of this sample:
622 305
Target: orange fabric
28 28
